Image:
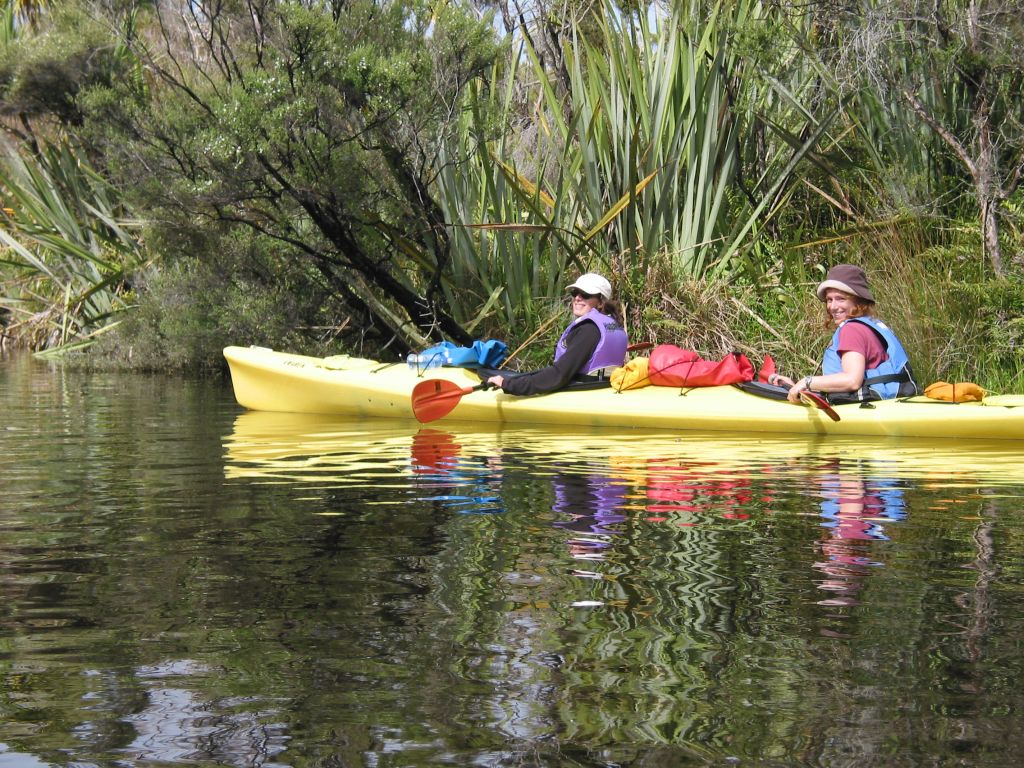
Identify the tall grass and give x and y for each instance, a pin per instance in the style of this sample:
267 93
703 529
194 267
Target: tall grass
67 249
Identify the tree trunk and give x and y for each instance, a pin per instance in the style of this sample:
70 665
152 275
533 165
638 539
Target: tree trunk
432 321
987 184
983 167
990 234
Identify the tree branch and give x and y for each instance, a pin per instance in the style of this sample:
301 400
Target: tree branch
941 131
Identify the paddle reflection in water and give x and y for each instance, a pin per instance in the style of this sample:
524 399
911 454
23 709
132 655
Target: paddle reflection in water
438 464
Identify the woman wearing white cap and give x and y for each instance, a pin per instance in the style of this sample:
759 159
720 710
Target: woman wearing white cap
865 360
594 340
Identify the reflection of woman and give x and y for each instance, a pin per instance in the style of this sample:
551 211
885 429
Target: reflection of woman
592 504
854 509
865 360
594 340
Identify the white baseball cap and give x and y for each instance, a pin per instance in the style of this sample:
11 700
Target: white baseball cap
592 283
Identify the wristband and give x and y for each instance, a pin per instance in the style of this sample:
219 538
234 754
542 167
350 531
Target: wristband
807 382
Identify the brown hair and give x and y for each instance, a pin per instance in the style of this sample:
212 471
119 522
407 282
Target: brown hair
611 308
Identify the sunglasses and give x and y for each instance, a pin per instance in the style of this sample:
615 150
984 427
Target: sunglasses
576 292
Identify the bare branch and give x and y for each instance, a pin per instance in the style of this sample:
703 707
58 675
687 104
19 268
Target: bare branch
941 131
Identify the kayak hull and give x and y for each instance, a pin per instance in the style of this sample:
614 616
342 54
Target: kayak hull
266 380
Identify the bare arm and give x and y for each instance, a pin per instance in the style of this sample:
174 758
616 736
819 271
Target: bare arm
849 379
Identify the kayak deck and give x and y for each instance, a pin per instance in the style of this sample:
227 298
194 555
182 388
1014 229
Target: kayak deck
265 380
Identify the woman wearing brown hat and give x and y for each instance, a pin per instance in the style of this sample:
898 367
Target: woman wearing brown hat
865 360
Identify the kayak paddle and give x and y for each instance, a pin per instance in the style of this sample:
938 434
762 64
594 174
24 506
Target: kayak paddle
640 346
819 402
434 398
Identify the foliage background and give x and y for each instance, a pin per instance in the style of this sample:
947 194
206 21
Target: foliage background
370 176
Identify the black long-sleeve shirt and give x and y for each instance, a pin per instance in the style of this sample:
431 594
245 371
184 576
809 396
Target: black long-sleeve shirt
579 346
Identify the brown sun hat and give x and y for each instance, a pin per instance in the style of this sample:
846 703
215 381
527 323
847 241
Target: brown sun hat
848 278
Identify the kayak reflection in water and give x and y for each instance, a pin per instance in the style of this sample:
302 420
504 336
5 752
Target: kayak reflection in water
593 342
854 509
592 505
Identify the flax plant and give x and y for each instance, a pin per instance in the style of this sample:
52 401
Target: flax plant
508 248
8 25
653 105
66 249
637 166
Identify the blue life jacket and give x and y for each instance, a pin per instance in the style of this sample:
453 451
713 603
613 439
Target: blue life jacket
892 378
883 502
610 350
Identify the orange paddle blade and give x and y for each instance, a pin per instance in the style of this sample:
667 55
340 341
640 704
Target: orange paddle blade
434 398
819 402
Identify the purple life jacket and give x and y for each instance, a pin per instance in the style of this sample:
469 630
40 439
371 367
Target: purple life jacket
610 350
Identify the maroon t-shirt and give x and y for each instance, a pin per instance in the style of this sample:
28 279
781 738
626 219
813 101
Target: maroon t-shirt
857 337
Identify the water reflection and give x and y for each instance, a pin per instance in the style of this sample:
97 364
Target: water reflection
468 484
604 484
589 508
177 725
855 509
12 759
184 583
318 450
686 491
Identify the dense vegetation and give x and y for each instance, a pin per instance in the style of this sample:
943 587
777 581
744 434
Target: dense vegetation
369 176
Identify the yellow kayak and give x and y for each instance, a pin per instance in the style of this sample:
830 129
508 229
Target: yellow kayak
265 380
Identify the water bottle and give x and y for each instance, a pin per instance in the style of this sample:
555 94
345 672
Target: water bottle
420 362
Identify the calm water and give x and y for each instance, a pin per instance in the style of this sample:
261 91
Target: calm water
184 582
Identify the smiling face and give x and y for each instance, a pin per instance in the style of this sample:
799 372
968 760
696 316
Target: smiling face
584 302
841 306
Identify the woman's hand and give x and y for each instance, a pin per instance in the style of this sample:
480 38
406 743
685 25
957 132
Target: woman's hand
496 381
795 389
849 379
